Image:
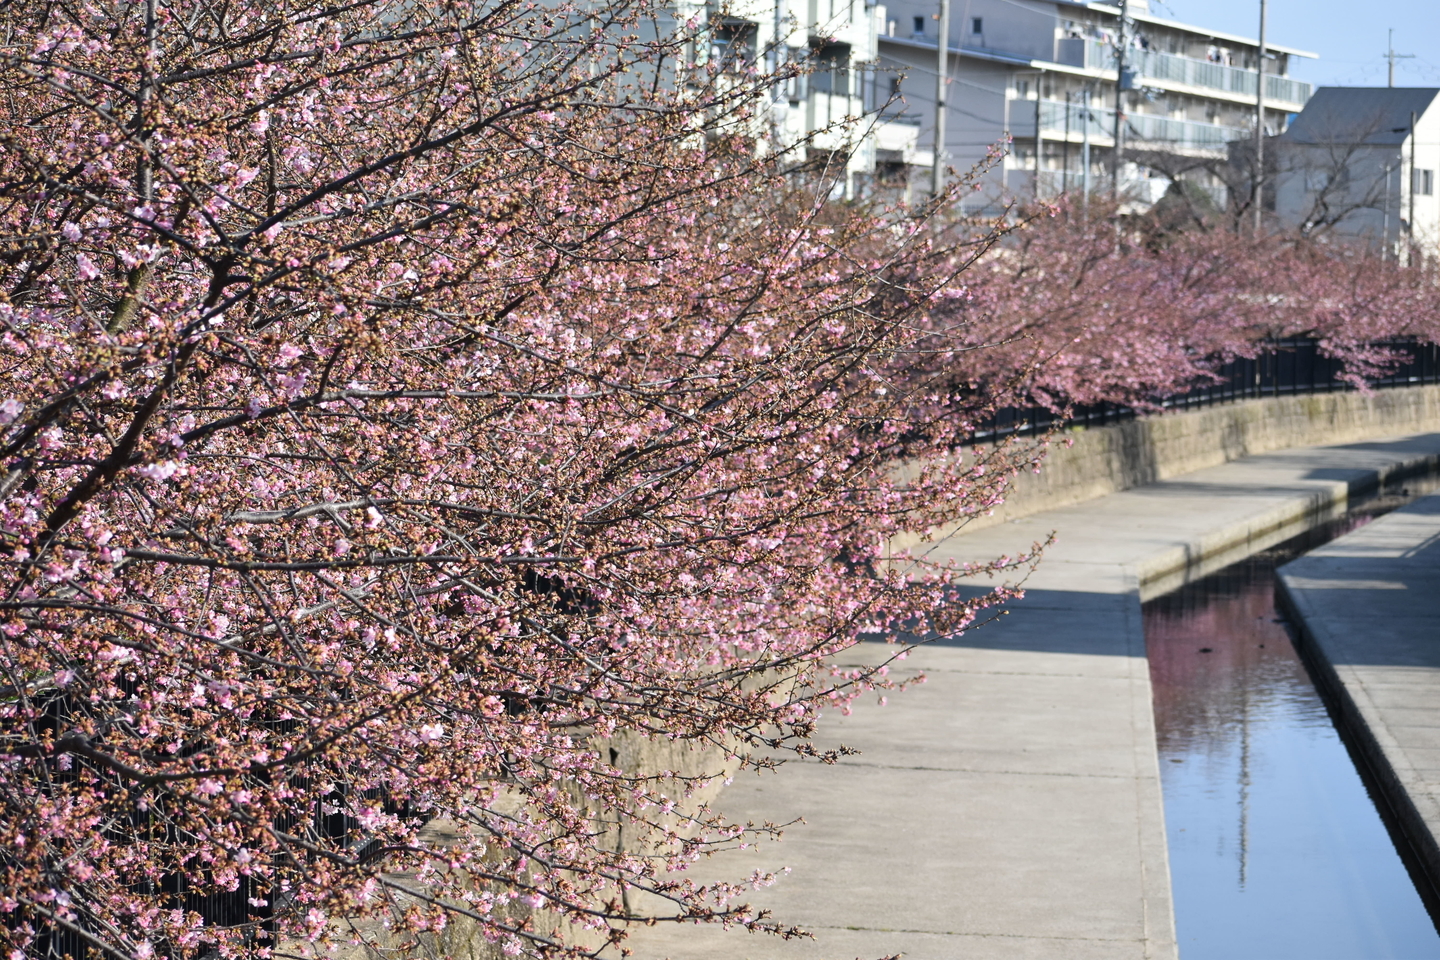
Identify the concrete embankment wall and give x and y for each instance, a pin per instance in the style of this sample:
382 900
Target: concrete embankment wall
1086 463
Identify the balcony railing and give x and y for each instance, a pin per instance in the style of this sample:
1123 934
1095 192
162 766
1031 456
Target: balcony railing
1100 55
1139 127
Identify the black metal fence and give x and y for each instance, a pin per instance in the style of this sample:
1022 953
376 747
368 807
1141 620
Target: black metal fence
249 907
1288 367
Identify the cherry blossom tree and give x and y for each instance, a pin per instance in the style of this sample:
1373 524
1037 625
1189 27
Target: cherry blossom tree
405 402
1132 315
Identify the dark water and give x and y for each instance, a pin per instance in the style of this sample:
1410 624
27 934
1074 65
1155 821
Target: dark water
1277 849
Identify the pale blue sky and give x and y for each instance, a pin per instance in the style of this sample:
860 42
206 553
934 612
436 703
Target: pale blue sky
1349 36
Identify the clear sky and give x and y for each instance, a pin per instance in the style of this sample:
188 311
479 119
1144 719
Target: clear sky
1349 36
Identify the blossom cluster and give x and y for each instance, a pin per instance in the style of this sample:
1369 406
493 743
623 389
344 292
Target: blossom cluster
1101 307
409 405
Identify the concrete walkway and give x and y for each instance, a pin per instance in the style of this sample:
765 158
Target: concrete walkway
1011 806
1368 605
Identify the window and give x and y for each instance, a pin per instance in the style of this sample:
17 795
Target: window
919 26
977 25
832 68
732 43
1022 88
1422 182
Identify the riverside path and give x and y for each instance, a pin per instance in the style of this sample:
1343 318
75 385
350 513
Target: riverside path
1010 807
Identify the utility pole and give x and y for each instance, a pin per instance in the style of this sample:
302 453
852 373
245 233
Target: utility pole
1392 56
777 44
942 77
1085 155
1123 41
1065 149
1258 200
1039 140
777 63
1412 185
1385 216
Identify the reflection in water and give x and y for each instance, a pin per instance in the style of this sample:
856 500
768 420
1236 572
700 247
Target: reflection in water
1276 849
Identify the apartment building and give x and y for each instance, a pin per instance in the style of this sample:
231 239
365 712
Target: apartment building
1043 73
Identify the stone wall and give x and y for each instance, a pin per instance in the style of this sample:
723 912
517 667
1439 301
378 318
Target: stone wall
1085 463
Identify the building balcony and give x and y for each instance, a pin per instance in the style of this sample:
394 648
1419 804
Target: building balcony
1092 54
897 138
1141 129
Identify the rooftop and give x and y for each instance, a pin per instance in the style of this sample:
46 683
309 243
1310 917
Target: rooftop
1143 17
1370 115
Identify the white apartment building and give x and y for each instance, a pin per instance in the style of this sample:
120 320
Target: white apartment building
822 112
1360 163
1043 73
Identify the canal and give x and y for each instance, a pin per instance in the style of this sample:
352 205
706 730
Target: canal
1277 847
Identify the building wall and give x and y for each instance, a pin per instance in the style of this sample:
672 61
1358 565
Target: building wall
1016 27
1340 189
978 102
1427 159
1023 28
